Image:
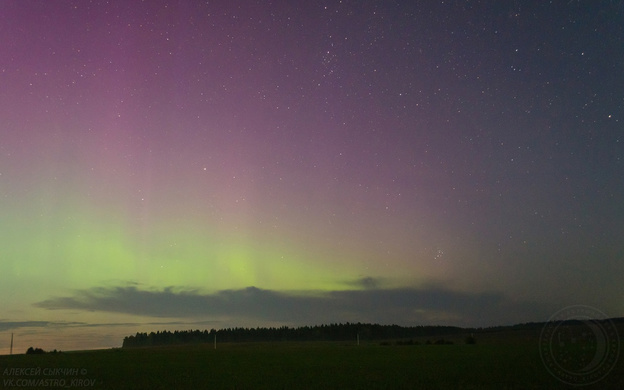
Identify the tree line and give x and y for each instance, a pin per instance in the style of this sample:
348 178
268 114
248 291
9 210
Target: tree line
331 332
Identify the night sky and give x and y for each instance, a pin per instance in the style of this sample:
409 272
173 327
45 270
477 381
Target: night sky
199 164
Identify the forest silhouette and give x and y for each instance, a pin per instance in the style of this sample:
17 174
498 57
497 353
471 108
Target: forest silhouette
331 332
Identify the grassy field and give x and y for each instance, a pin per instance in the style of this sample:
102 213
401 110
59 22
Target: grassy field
491 364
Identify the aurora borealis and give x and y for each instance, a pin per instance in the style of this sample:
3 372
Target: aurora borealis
193 164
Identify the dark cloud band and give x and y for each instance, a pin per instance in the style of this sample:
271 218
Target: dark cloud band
399 305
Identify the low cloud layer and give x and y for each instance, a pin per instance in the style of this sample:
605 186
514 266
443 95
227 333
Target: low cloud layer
9 325
405 306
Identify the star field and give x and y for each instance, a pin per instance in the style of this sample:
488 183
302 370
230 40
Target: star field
464 150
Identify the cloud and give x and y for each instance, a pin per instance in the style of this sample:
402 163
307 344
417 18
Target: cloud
404 306
365 283
15 325
9 325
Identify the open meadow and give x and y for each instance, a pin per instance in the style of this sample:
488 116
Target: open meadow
495 362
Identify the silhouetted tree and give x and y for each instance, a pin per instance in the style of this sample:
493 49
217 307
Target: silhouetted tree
331 332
